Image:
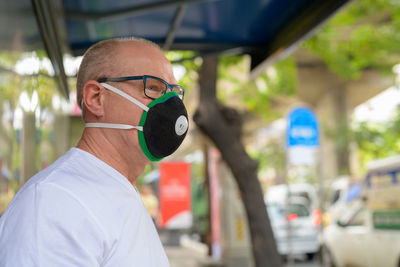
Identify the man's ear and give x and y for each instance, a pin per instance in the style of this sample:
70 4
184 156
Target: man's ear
93 98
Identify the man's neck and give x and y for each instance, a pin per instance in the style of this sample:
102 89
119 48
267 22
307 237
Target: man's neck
103 149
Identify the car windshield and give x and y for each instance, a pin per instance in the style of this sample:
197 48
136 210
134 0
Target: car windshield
278 211
306 196
335 196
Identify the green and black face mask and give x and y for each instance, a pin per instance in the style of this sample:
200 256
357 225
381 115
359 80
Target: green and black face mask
163 125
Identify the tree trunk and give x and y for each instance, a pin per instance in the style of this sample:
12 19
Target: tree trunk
222 125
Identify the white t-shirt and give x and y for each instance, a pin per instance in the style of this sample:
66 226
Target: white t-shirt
79 212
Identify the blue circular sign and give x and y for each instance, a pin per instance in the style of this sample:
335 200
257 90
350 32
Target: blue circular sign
302 129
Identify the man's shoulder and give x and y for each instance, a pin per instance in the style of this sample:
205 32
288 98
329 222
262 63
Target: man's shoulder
75 170
65 168
77 178
63 175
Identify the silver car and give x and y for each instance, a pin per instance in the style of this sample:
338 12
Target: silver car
296 228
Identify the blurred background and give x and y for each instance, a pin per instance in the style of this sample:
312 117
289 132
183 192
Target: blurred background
294 121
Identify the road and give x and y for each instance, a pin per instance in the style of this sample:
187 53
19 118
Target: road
303 263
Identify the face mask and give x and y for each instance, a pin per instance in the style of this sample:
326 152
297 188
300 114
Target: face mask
163 125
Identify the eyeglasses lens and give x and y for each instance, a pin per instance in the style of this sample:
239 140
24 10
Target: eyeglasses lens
155 88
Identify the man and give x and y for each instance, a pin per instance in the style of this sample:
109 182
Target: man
84 210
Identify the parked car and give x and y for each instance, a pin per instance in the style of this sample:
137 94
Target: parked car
295 227
368 231
340 192
279 193
355 239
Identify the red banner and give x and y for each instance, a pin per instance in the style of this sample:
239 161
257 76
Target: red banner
175 195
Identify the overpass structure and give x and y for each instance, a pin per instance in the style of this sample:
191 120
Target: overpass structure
333 99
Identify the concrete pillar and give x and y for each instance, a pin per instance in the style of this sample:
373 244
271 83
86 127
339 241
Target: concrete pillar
341 139
333 115
28 146
235 243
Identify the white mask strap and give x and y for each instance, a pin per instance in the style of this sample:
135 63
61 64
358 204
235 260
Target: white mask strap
126 96
113 126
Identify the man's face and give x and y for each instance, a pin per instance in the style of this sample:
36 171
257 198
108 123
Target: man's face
133 60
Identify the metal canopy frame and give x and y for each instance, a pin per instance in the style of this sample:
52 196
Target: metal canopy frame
44 13
174 26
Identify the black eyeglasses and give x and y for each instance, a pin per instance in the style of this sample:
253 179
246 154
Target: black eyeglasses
153 87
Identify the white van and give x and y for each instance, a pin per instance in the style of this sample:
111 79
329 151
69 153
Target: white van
340 192
368 231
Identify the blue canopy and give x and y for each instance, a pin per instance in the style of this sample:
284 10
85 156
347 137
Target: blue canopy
264 29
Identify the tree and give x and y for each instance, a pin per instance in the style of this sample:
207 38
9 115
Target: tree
378 139
363 37
222 125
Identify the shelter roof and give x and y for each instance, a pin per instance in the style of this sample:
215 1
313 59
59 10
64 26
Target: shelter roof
264 29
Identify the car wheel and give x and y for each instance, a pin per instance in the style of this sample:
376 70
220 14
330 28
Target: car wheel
326 257
284 258
310 256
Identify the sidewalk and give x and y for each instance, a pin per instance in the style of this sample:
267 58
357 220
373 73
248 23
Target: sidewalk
189 253
184 257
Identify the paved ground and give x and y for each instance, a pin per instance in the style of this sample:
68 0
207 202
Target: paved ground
313 263
180 256
184 252
183 257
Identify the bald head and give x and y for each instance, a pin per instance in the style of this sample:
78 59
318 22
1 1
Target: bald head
103 59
